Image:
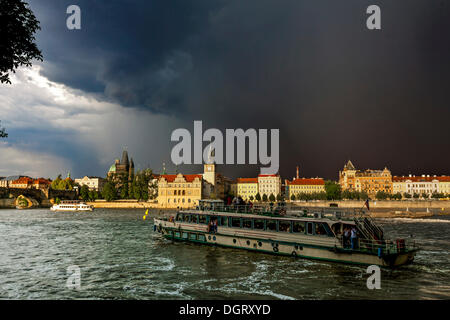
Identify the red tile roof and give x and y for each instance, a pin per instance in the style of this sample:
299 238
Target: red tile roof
41 181
187 177
416 179
247 180
304 181
23 180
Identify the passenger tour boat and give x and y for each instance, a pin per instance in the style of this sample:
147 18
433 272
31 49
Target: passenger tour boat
327 234
71 205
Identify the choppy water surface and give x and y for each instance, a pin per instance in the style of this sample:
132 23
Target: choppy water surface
122 258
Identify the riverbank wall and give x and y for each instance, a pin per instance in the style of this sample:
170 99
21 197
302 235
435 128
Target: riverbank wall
379 204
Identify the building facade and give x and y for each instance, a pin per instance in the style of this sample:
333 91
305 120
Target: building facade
369 181
179 191
416 185
247 187
304 185
444 184
121 169
269 184
93 183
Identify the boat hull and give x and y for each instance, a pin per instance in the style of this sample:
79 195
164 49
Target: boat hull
277 246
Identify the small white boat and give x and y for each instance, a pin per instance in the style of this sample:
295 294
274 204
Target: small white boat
72 206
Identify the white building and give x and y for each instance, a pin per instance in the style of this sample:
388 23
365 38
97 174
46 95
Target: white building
415 184
93 183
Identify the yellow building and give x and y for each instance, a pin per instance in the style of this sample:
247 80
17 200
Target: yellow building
444 184
247 187
178 190
269 184
303 185
369 181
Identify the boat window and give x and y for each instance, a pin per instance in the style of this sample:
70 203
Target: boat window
247 223
236 222
284 226
194 218
320 229
224 221
187 217
309 228
258 224
179 217
202 219
271 225
298 227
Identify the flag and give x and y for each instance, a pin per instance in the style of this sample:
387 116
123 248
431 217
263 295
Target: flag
367 204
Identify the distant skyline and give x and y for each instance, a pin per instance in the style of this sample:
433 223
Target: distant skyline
137 70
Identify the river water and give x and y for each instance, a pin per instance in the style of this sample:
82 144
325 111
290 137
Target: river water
120 257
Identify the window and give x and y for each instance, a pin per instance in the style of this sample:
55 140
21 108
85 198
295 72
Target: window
187 218
247 223
309 228
179 217
298 227
271 225
258 224
284 226
236 222
224 221
320 229
194 219
202 219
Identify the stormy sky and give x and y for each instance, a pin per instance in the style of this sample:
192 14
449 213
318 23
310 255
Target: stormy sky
137 70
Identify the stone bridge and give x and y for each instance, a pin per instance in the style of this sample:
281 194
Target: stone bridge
38 194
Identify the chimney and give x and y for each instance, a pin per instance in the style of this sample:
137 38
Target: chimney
297 173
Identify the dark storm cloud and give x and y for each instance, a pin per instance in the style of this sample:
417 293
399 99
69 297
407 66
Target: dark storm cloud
311 68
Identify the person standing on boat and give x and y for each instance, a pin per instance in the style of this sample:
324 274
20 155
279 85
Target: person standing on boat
346 237
354 238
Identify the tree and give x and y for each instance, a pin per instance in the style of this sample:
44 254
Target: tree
333 190
416 195
109 192
381 195
3 133
424 195
293 197
17 28
258 197
93 195
271 197
251 198
264 197
84 192
279 197
407 195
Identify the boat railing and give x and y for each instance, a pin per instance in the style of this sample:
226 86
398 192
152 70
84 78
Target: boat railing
379 247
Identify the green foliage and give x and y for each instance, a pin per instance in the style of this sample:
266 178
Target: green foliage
17 28
293 197
3 133
84 192
424 195
279 197
258 197
333 190
437 195
416 196
57 200
407 195
271 197
251 198
397 196
109 192
60 184
93 195
381 195
264 197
